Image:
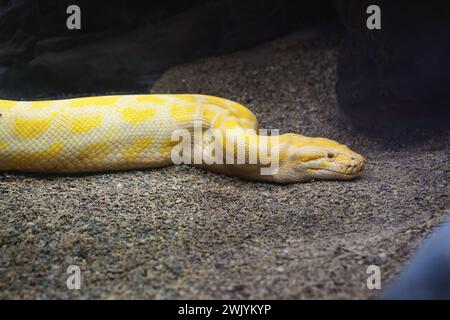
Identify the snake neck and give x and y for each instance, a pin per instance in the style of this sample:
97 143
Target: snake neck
241 152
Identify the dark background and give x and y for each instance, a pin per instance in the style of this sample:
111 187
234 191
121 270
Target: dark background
391 78
123 47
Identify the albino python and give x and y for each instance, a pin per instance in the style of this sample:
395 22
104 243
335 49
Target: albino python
134 131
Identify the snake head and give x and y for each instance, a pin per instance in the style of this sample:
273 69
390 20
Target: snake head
304 158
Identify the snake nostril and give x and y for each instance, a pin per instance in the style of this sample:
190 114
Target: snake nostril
330 155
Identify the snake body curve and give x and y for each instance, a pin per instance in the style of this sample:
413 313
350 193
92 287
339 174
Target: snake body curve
120 132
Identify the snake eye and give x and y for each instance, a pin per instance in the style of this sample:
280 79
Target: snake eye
330 155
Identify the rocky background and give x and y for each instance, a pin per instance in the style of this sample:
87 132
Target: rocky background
388 79
124 48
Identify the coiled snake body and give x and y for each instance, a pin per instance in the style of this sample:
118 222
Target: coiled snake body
135 131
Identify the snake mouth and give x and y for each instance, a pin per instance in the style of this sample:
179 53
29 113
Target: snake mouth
353 174
335 172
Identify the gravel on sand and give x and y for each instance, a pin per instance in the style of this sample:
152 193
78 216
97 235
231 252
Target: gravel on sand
180 232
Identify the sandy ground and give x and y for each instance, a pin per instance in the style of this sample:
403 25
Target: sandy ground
180 232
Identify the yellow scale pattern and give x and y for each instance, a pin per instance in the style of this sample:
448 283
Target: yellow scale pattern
103 133
134 131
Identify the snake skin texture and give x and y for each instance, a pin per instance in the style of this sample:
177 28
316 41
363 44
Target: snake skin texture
106 133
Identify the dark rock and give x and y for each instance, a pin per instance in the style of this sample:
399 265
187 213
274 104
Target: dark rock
123 47
427 276
399 76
